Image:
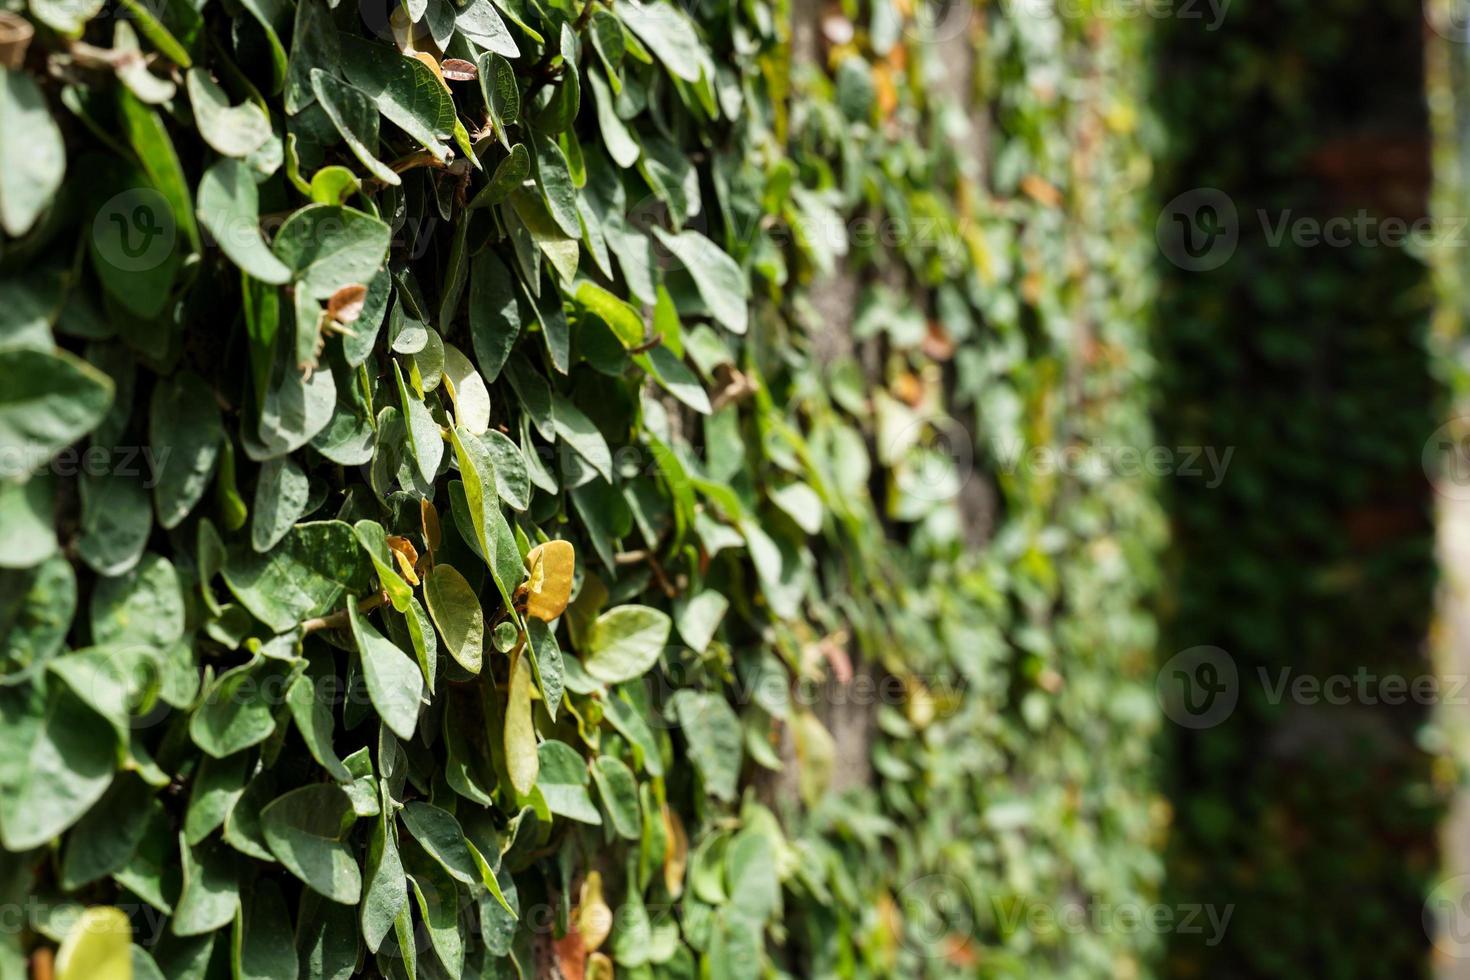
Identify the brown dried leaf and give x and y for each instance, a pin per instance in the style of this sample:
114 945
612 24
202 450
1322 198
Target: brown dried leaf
345 306
459 70
407 557
1041 191
571 956
937 342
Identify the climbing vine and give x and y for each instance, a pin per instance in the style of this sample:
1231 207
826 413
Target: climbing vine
541 488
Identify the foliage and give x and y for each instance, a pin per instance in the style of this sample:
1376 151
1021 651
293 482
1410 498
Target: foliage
476 474
1315 556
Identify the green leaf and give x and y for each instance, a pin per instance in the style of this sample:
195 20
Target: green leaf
439 833
265 935
35 616
305 830
470 396
554 330
233 131
619 792
32 156
547 660
282 491
561 250
295 408
242 826
60 760
668 34
457 613
229 209
184 19
718 278
619 142
394 681
563 782
374 541
495 314
310 698
183 416
67 17
713 732
271 16
106 837
330 247
510 173
512 478
314 45
27 515
625 321
630 723
49 401
479 21
144 605
356 118
438 898
306 575
502 95
492 532
217 786
625 642
149 139
387 890
423 432
698 616
236 712
555 181
116 521
675 377
404 90
608 41
579 432
211 889
560 107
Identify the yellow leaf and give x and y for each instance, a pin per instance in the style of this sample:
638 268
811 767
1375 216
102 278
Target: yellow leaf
407 557
676 857
98 947
594 918
429 518
520 730
433 64
552 565
599 967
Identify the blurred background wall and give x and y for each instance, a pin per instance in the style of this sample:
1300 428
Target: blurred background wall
1298 345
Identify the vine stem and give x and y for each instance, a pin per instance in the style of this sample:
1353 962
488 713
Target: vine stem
339 619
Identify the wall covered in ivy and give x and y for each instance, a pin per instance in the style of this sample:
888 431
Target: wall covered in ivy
539 489
1306 356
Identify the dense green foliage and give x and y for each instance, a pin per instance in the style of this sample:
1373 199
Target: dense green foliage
1315 555
447 520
